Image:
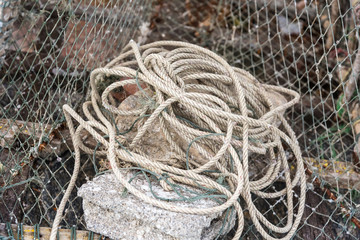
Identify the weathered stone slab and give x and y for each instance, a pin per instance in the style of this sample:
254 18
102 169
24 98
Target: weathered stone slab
110 211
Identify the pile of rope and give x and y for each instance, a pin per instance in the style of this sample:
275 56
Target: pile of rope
221 111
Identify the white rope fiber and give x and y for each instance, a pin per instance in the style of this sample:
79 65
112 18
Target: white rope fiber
222 112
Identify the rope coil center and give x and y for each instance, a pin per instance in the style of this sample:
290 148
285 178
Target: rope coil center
215 118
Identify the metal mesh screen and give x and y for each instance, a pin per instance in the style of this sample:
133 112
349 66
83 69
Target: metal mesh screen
48 49
307 46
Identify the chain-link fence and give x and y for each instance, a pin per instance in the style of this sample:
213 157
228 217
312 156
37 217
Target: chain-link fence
49 48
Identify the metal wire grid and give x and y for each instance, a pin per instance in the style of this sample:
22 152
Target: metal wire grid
48 51
249 34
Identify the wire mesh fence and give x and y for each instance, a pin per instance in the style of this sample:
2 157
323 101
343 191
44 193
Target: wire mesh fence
49 48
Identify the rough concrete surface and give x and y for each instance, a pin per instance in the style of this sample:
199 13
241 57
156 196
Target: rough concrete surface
120 215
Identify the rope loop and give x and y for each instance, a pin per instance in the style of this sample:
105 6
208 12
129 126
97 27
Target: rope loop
214 119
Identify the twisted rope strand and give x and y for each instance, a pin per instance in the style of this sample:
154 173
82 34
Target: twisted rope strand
224 115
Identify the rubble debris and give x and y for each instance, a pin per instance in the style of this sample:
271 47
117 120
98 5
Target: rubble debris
8 13
29 232
10 130
336 173
88 44
45 139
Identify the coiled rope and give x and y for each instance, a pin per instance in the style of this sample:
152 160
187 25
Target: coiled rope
222 111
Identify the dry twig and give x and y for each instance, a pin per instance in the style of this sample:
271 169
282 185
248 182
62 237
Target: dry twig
351 84
331 34
352 37
355 114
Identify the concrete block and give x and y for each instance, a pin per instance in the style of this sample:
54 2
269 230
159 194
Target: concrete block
114 213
